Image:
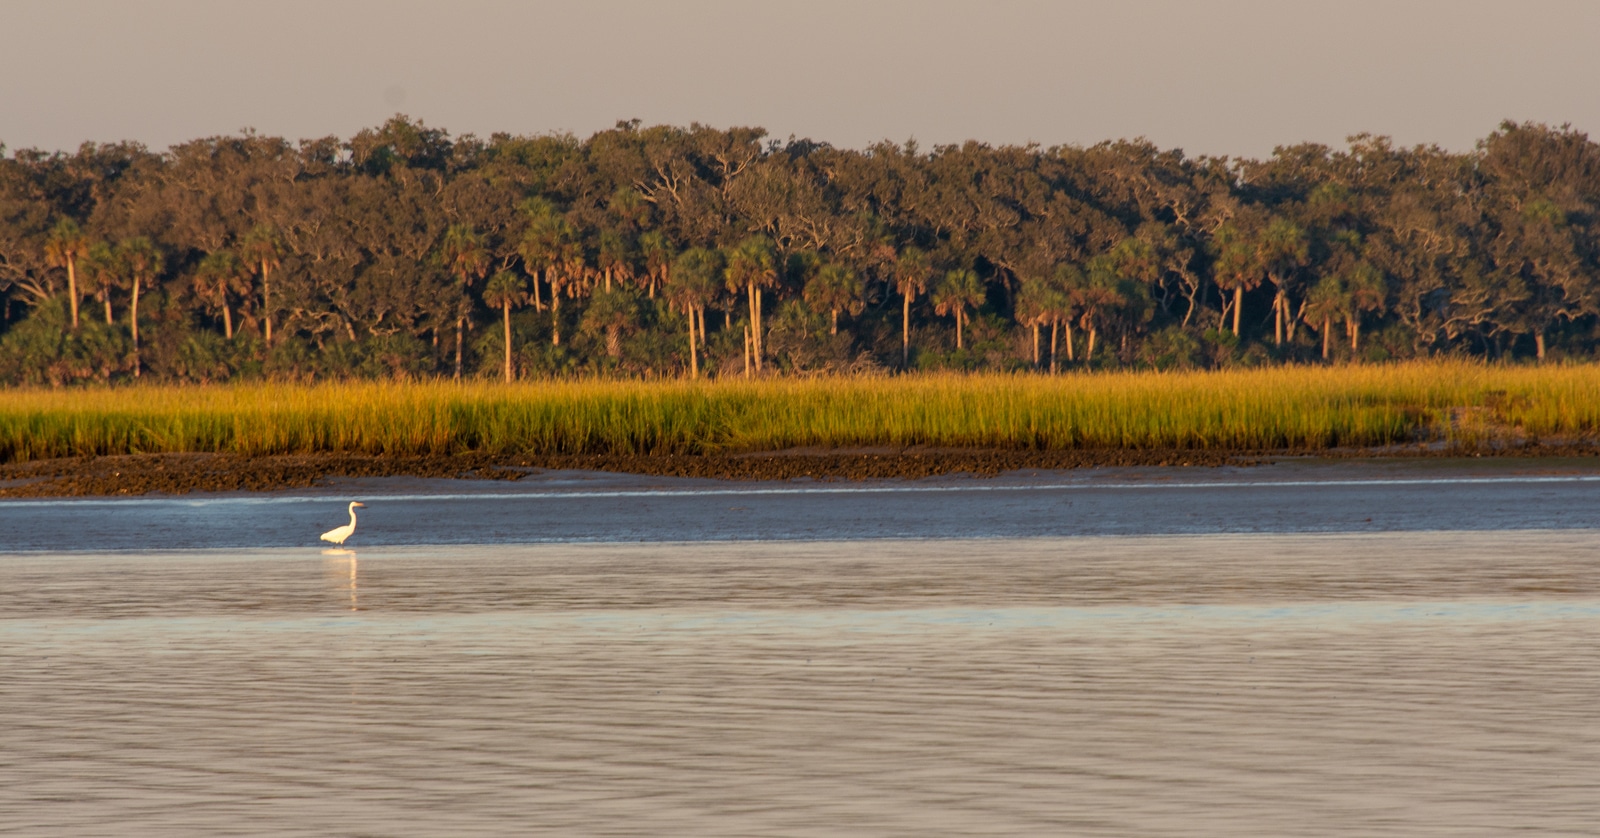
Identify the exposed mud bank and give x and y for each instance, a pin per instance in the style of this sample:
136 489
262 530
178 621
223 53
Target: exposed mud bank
183 473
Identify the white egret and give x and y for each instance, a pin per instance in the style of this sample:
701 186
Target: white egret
337 535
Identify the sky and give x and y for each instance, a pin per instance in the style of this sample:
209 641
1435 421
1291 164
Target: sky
1218 77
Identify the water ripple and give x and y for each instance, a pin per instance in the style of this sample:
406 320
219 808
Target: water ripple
1304 685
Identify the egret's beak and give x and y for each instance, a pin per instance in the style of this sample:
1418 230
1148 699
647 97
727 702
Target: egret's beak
360 504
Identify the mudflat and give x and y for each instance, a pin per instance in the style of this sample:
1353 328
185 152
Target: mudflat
140 474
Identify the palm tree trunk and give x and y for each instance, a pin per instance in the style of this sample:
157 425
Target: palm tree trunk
755 325
747 352
749 343
266 301
1238 305
1088 354
107 300
1066 327
702 314
836 321
72 289
958 328
507 310
1053 330
1036 343
694 357
461 325
133 325
1538 343
227 321
1327 333
905 331
555 317
1277 319
1355 333
755 333
538 299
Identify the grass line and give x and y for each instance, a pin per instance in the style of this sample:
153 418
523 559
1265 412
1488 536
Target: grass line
1277 408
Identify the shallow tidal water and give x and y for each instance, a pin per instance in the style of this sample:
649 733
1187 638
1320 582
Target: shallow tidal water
1432 682
1292 496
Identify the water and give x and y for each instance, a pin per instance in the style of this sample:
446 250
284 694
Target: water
1422 682
577 506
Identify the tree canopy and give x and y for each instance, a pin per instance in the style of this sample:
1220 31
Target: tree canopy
252 256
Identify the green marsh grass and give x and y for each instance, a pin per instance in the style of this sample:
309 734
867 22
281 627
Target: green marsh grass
1298 408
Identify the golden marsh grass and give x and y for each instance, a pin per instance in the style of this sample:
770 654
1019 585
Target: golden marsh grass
1277 408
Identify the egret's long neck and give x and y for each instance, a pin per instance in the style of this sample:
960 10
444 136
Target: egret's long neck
352 515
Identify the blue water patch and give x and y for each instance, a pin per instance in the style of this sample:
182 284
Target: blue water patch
711 511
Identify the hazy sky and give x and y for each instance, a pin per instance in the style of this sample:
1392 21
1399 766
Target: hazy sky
1207 76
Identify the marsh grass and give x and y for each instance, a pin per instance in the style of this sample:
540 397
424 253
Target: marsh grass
1278 408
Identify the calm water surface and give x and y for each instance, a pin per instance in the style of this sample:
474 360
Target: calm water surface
1418 683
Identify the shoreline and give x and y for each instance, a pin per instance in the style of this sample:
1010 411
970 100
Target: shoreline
178 474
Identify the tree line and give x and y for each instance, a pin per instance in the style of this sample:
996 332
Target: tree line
669 251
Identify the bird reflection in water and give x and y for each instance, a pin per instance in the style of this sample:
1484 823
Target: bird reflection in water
336 561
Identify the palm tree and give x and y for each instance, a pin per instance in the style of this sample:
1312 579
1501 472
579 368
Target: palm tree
753 265
1326 301
657 251
836 287
143 263
66 245
692 286
615 254
504 290
568 271
102 273
466 259
1282 248
220 275
958 291
911 273
611 313
1041 301
550 247
1238 266
1369 291
536 259
1062 307
262 249
1029 310
1096 298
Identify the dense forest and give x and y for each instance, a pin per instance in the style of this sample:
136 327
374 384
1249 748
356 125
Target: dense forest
667 251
